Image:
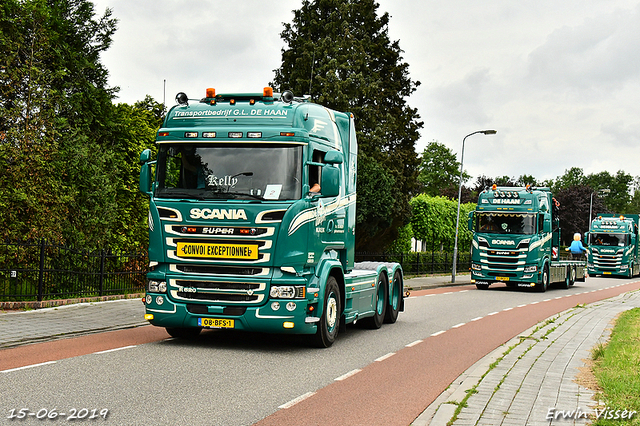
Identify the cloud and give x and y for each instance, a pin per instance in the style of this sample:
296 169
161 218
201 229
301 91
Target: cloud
599 54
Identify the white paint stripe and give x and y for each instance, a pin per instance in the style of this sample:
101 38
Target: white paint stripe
413 343
448 292
534 303
463 291
546 300
429 295
27 366
507 309
349 374
113 350
492 313
477 318
389 355
459 325
438 333
298 399
521 306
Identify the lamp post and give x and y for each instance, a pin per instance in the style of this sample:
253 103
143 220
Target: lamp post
455 245
599 191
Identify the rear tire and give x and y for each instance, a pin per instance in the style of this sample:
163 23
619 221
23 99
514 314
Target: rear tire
183 333
330 320
379 304
395 299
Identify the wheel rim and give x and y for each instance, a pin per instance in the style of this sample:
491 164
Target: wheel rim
332 312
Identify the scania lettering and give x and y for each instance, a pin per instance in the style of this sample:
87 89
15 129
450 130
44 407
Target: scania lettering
238 239
613 247
516 235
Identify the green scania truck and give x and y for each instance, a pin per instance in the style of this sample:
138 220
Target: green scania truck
613 245
516 239
252 221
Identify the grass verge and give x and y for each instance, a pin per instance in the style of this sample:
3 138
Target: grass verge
617 370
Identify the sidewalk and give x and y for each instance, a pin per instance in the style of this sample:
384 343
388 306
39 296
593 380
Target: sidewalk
533 380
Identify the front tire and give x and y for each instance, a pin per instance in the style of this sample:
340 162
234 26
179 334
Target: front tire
330 320
544 280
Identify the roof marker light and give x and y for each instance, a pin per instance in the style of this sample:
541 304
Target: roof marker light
287 134
235 134
209 135
211 92
267 92
190 134
163 134
254 134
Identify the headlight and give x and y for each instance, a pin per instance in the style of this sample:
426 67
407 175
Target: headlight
476 267
157 286
287 292
283 292
530 268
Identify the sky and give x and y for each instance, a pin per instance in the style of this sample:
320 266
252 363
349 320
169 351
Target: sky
558 80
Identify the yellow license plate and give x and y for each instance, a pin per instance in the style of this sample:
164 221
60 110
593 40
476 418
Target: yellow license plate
502 278
216 323
217 251
606 273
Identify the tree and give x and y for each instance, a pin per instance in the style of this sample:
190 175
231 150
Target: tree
575 203
440 170
339 52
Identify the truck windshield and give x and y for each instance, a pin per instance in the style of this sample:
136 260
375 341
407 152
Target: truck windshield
616 240
506 223
246 171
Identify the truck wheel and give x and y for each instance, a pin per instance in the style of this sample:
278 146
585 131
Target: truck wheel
395 299
573 275
184 333
379 304
544 282
567 278
330 321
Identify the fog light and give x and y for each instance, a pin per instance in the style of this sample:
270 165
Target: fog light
275 306
288 324
291 306
159 300
148 299
148 317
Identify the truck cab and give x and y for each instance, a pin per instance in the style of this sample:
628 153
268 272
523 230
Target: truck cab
516 236
252 219
613 245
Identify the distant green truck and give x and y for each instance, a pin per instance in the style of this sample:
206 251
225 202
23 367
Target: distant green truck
614 245
252 218
516 239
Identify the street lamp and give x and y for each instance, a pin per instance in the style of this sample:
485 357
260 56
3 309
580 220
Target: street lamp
600 192
455 245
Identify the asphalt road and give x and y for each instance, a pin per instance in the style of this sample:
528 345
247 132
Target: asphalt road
386 376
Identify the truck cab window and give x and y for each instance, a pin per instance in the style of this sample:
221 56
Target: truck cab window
315 172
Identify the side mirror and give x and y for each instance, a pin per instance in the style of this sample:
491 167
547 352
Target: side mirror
470 221
145 172
330 181
333 157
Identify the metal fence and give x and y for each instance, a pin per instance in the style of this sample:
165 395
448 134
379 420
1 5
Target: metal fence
419 263
41 271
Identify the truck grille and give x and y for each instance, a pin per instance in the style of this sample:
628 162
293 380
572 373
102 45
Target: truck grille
505 263
251 293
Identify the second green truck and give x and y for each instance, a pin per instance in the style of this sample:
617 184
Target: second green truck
516 239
